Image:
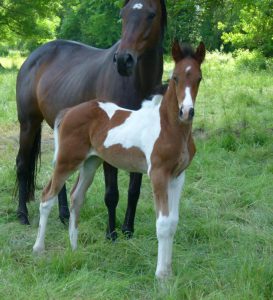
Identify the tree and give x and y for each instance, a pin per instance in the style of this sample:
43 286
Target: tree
28 20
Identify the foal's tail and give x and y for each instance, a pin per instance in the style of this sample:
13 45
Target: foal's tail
57 124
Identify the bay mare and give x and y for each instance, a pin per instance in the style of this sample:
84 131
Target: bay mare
156 139
62 74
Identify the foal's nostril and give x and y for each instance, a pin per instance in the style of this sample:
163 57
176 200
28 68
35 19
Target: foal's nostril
191 113
180 113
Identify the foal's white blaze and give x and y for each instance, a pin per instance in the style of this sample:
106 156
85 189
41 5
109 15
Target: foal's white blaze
141 129
187 103
166 227
138 6
188 69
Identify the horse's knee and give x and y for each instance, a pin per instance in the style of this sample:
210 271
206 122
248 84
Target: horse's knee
166 226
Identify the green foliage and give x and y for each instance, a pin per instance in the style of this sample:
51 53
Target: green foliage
92 22
254 27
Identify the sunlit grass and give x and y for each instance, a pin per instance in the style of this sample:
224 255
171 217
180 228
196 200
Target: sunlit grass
223 247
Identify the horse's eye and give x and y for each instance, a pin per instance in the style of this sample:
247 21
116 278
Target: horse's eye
199 79
151 16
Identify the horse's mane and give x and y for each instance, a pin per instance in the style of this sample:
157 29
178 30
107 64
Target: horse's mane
164 13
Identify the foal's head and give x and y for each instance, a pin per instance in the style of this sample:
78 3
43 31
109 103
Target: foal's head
186 77
143 23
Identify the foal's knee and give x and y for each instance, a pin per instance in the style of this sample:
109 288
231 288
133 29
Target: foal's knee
166 226
111 197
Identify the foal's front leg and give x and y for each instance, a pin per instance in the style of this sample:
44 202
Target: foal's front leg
167 194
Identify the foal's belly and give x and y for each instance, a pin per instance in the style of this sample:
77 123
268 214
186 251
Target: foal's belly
131 160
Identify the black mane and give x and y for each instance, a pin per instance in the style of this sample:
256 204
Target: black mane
187 50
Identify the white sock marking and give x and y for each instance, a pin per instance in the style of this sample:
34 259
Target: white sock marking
166 227
45 209
73 231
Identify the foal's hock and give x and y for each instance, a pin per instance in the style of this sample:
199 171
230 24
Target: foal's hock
157 140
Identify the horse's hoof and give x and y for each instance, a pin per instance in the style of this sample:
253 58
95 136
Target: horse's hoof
128 232
38 249
112 236
23 219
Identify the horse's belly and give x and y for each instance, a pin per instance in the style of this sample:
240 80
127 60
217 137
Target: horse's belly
132 159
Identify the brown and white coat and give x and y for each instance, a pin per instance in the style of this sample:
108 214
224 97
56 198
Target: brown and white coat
157 140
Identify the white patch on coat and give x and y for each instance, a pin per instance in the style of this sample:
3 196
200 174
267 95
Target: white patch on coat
110 108
166 227
138 6
141 129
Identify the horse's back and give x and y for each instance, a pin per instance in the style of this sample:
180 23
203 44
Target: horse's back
57 75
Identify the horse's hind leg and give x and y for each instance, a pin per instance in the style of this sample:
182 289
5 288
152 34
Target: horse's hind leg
87 173
63 207
29 151
111 199
133 196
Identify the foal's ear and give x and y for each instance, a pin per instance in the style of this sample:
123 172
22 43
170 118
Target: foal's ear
176 51
200 53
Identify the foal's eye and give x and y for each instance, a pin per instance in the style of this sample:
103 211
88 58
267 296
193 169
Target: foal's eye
151 16
175 78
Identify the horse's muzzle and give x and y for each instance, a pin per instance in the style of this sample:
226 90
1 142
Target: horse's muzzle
125 63
186 115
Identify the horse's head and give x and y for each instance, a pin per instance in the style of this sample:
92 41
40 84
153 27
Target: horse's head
143 23
186 77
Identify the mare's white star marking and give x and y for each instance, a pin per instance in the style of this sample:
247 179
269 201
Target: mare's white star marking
138 6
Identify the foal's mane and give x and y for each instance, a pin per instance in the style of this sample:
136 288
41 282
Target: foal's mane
163 17
187 50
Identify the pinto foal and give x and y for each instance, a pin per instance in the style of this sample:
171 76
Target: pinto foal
157 140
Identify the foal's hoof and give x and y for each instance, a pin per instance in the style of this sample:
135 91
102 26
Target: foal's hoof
128 232
23 219
64 216
112 236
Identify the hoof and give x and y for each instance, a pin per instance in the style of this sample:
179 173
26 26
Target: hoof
112 236
163 274
64 216
37 249
128 232
23 219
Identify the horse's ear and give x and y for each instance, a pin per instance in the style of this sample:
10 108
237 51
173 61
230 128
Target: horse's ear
200 53
176 51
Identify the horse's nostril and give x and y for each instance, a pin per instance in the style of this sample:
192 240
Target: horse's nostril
191 113
129 60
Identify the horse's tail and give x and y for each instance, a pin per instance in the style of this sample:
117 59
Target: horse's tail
29 175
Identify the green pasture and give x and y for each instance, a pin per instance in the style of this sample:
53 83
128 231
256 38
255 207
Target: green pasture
223 246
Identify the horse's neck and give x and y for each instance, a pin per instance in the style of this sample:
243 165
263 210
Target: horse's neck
149 71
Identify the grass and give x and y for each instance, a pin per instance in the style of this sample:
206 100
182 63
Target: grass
224 243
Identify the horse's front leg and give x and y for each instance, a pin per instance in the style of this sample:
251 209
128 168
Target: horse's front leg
133 196
111 199
167 192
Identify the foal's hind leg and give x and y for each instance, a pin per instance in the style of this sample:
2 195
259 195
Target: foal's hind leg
133 196
87 173
111 199
29 150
